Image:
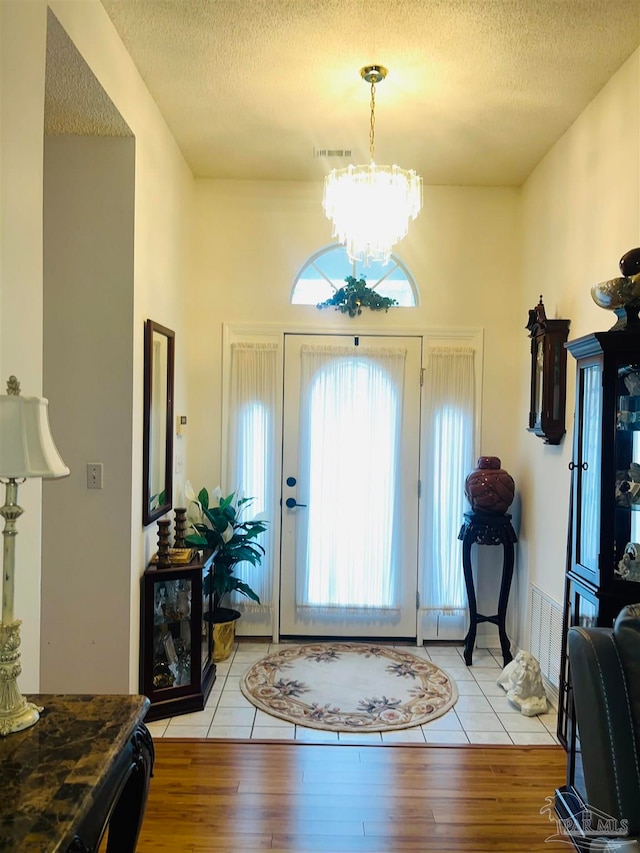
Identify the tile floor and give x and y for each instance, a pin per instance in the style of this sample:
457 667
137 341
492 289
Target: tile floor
482 713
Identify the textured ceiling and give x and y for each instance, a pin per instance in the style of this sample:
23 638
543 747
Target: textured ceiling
74 101
477 92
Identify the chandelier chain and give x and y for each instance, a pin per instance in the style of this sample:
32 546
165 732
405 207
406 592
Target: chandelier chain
372 124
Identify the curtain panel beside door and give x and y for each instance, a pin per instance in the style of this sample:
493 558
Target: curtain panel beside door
449 445
254 398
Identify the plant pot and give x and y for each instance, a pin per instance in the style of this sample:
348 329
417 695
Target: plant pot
224 632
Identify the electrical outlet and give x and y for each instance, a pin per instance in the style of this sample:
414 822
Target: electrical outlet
94 475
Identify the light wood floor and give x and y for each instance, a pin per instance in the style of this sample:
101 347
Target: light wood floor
215 796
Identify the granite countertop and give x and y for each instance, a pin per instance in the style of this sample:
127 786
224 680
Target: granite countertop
49 772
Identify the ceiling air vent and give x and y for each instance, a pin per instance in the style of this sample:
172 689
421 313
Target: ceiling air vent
331 152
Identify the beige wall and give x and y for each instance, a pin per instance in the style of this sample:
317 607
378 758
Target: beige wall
229 253
88 366
581 212
481 257
251 238
22 60
162 192
163 186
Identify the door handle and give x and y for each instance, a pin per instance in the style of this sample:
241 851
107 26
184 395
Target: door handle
292 502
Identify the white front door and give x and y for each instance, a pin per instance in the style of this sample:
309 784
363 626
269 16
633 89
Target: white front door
350 486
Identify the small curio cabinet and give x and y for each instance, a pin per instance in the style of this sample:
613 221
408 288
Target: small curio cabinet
603 554
176 665
548 375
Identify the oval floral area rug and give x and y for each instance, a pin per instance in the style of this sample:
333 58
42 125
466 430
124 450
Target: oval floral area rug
345 687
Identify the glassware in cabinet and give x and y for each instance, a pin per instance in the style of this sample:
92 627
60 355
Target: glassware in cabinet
176 661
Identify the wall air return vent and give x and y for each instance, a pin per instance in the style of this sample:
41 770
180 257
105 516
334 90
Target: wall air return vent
545 639
331 152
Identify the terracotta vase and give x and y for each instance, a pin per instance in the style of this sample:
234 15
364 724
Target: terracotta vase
489 489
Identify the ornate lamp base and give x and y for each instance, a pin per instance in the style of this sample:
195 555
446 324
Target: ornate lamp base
16 713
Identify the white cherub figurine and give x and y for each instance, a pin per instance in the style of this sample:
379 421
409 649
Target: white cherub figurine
629 566
522 680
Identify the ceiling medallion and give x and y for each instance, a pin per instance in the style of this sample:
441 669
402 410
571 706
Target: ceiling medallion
371 206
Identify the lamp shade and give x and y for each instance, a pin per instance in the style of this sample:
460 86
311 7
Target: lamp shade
27 448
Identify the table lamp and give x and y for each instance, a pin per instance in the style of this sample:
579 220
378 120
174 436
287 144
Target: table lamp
27 450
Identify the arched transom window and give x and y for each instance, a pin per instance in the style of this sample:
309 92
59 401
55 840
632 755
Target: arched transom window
326 270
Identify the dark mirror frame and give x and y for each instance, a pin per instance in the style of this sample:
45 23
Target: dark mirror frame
148 514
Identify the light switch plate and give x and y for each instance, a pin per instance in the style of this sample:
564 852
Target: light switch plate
94 475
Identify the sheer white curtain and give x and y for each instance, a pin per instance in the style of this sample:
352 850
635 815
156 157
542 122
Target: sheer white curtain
449 386
350 418
253 401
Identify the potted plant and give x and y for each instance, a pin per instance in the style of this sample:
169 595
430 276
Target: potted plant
221 529
356 295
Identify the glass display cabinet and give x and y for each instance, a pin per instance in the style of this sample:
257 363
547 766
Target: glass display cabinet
603 553
177 670
581 610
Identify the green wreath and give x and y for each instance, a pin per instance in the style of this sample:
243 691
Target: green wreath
355 296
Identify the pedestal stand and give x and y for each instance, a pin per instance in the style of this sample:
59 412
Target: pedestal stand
487 530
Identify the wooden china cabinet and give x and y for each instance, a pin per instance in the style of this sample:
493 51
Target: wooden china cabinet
177 670
603 564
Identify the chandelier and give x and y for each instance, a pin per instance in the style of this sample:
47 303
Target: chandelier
371 206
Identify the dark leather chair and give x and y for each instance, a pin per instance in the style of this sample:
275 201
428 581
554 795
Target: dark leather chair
605 675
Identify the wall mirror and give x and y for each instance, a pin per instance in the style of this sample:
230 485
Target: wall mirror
157 485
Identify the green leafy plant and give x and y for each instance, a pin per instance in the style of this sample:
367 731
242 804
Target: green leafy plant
220 528
157 500
355 296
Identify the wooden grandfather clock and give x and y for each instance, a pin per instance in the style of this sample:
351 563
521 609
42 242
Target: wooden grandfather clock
548 375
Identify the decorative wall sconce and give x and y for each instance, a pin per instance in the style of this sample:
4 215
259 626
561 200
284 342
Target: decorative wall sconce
548 375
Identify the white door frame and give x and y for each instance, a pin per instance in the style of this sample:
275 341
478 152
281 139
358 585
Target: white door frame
274 333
